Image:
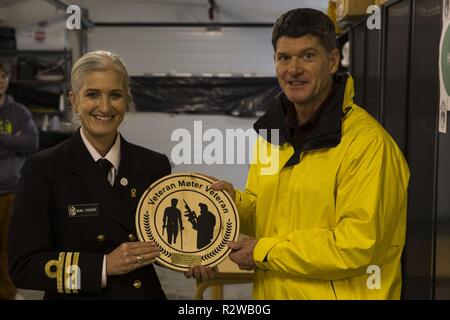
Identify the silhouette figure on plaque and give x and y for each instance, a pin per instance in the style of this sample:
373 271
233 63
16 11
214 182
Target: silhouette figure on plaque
172 222
204 223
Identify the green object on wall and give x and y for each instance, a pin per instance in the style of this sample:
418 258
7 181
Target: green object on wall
445 60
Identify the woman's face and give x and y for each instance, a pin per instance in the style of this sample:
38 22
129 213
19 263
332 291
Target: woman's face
101 103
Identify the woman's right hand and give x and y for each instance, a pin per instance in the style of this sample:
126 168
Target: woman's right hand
130 256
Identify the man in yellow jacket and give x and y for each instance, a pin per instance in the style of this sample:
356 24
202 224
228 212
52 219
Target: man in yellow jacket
329 222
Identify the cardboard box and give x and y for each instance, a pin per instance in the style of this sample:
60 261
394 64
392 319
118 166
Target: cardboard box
350 9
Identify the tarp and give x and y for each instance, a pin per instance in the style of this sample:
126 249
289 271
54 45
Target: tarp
238 96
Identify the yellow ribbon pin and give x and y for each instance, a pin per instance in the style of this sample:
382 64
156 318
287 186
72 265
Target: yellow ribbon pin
133 193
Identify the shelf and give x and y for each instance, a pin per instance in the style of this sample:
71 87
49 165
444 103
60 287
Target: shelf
38 82
42 94
63 51
47 112
36 109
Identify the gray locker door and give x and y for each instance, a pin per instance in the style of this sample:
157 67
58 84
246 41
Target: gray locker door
395 86
422 150
372 82
358 60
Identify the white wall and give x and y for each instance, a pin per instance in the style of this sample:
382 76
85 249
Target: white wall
19 12
154 130
192 10
181 50
191 50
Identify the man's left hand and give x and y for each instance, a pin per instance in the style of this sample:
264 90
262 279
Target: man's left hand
242 253
202 273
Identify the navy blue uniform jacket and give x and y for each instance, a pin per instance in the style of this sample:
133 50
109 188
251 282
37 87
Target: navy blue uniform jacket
55 247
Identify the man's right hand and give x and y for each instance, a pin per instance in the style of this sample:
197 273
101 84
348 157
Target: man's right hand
224 185
219 185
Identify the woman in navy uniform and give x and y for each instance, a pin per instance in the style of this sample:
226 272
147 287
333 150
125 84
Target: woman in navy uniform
72 232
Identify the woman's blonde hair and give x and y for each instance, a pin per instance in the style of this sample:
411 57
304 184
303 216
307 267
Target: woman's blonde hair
100 60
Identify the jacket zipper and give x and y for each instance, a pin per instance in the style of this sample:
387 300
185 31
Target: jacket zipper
334 291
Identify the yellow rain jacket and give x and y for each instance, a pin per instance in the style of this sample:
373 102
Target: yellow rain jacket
331 219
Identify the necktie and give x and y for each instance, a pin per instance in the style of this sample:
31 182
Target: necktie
104 166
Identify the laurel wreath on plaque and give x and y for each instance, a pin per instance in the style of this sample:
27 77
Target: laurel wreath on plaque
216 251
150 236
222 244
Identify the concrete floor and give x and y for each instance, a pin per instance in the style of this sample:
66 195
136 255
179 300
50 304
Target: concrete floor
176 287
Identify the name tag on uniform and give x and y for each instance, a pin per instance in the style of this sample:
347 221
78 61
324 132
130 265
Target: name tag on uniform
83 210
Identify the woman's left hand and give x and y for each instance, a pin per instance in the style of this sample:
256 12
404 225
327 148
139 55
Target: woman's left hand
130 256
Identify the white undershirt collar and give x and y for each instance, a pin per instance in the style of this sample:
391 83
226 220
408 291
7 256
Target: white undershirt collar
113 154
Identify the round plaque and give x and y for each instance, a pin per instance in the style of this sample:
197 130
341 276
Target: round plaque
190 222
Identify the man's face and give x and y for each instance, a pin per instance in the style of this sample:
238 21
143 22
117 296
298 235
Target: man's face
304 69
101 103
4 81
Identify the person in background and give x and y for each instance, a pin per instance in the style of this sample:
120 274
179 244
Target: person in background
330 221
18 137
72 232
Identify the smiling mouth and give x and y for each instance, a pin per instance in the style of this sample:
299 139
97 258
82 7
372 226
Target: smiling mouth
103 118
297 82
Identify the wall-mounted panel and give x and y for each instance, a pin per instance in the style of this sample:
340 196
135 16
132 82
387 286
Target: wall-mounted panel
442 268
442 260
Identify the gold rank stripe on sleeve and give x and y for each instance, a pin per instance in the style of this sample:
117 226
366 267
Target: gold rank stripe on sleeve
72 273
76 284
66 272
59 282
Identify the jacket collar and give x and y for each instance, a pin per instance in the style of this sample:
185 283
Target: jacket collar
83 175
81 161
327 134
113 154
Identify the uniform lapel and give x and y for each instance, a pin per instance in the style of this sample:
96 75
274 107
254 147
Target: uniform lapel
80 167
130 182
85 178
